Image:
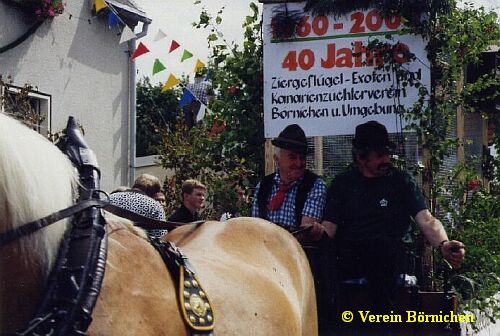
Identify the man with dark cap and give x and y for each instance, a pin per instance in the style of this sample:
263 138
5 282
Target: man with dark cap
369 209
292 197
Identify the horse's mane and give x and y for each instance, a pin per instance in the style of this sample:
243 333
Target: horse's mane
36 179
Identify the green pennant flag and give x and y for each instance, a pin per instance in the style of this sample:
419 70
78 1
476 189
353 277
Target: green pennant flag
185 55
158 66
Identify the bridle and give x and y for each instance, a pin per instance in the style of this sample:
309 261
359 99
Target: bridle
75 281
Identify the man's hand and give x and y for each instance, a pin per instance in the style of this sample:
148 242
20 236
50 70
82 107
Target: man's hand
309 232
453 251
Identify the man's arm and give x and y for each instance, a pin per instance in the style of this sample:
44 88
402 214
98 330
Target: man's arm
433 230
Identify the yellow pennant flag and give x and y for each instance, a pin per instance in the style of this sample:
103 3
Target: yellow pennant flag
198 66
99 5
171 82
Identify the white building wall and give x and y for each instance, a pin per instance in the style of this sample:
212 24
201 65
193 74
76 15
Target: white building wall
85 70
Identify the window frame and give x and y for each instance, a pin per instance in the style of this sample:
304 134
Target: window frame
44 106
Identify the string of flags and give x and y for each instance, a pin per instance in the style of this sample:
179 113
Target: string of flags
127 34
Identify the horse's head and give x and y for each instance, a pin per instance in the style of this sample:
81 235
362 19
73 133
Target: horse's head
36 179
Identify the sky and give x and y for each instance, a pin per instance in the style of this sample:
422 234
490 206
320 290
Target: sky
175 18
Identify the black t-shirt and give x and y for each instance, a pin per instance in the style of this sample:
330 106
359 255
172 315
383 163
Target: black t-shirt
372 208
183 215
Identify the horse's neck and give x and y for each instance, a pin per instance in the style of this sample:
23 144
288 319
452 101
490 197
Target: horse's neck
24 267
21 287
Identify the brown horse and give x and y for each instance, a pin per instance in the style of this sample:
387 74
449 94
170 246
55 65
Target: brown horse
255 273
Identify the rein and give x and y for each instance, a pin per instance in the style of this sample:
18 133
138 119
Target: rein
145 222
141 221
43 222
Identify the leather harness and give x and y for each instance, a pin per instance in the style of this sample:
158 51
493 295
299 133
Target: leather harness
75 281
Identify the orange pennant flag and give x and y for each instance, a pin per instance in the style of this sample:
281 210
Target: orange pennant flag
174 46
141 50
171 82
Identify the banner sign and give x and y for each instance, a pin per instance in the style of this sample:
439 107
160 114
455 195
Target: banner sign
327 81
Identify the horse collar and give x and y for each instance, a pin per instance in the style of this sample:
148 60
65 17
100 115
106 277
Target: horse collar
75 281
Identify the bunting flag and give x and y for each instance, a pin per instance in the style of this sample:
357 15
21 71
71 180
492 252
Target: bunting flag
198 66
171 82
160 35
113 19
127 35
185 55
174 46
201 112
186 98
158 66
100 5
141 50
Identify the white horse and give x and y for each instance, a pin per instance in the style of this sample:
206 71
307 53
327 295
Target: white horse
255 273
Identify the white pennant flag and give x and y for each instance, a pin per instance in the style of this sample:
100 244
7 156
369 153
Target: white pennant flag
160 35
201 112
127 34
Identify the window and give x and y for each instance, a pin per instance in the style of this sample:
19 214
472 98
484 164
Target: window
31 107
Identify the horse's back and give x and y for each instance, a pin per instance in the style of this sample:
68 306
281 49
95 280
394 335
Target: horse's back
255 274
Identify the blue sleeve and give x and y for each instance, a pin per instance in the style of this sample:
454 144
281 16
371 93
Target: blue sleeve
315 201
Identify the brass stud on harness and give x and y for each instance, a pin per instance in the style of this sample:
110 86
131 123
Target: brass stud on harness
195 283
202 294
192 318
186 294
209 318
197 305
187 305
202 320
188 284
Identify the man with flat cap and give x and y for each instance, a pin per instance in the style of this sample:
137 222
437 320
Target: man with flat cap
369 209
293 197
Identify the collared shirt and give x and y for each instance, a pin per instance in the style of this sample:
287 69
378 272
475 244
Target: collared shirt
183 215
285 215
